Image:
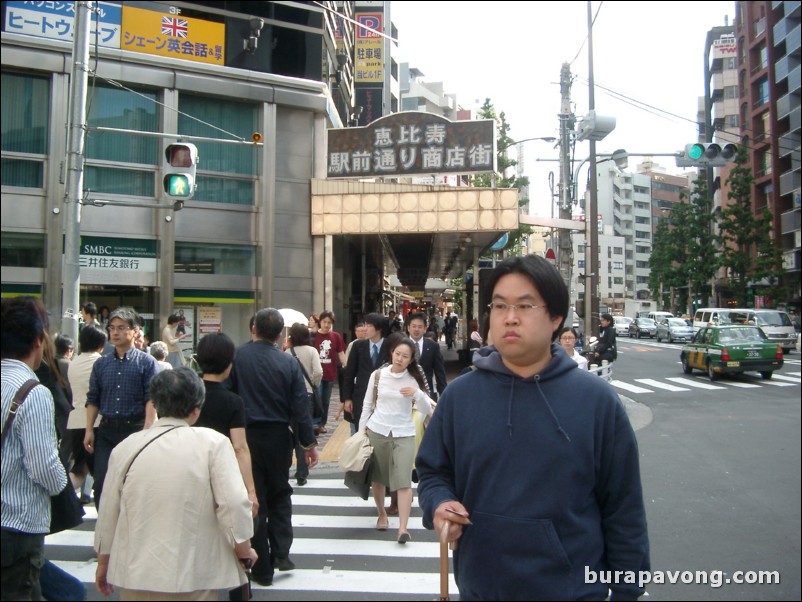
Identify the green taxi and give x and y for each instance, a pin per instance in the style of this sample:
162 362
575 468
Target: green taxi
731 349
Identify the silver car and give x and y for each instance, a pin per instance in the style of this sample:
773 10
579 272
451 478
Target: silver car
622 325
674 329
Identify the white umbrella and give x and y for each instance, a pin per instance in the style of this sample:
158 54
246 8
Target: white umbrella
293 316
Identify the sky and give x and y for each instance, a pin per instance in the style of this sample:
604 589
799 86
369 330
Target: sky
512 53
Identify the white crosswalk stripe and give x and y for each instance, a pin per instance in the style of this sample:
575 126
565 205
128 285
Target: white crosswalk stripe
693 383
740 385
619 384
700 381
659 385
773 383
336 548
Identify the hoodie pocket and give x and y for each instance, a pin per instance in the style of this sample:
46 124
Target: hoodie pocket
502 558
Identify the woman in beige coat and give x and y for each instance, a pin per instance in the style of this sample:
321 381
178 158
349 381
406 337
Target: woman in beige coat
176 521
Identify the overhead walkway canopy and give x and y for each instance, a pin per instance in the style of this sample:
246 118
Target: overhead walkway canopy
429 231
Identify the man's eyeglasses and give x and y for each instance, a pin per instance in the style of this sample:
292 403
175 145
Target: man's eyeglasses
522 309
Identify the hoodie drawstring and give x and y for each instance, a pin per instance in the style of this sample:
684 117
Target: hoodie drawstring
548 406
509 407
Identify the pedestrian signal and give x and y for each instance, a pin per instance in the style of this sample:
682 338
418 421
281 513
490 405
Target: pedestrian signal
181 163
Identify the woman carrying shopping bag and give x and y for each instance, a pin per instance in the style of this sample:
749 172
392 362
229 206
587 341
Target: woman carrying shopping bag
391 430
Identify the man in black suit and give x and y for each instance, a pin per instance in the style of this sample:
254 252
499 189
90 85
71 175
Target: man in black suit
429 356
365 357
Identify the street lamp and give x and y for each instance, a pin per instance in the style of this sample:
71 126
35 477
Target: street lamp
514 142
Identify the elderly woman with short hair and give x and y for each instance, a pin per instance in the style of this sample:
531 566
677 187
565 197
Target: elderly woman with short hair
175 517
158 349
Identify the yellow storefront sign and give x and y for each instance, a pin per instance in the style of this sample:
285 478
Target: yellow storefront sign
173 36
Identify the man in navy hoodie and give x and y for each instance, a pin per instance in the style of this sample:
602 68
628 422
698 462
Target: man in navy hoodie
533 462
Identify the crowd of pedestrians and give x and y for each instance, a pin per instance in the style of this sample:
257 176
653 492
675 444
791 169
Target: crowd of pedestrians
123 416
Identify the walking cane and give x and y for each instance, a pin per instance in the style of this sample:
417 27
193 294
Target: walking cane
444 562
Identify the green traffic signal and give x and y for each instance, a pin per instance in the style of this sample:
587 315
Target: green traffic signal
181 160
696 151
709 154
178 185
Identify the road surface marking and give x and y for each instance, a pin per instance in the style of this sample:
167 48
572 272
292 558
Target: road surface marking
628 387
659 385
693 383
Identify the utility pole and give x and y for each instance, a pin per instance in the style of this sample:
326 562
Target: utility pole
566 127
75 170
592 240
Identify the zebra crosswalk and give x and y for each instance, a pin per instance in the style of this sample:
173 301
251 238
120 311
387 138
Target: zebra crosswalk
336 549
676 384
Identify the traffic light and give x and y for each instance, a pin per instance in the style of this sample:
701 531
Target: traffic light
179 170
707 155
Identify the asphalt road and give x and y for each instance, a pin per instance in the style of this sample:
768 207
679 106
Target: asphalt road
721 475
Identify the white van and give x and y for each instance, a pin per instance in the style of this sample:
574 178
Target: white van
775 323
659 315
710 316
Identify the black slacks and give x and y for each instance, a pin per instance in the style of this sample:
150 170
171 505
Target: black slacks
271 448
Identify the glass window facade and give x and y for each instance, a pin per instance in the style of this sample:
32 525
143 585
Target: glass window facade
25 122
204 258
129 110
220 165
110 180
23 250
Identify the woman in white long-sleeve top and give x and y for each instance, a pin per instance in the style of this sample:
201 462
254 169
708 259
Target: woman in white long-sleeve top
387 416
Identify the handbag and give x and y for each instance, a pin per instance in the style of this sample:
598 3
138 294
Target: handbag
359 481
316 405
357 450
66 510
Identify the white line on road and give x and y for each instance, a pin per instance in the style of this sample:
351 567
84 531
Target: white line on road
303 545
693 383
628 387
733 383
324 579
659 385
776 384
788 376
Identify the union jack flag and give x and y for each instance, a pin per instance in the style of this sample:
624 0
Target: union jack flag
175 27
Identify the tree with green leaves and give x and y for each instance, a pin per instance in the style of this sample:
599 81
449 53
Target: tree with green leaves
747 248
664 264
503 164
683 250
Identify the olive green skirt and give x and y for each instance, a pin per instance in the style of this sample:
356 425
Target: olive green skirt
393 458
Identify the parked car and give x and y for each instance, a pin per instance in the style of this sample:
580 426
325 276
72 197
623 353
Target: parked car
731 349
622 325
674 329
643 327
